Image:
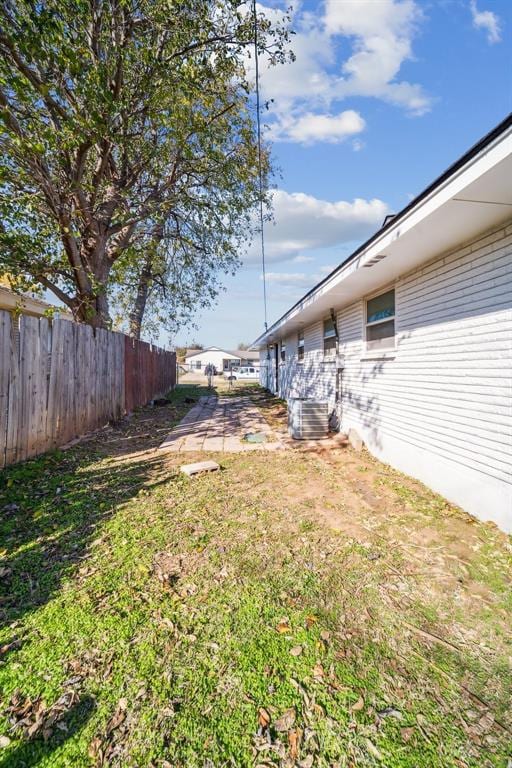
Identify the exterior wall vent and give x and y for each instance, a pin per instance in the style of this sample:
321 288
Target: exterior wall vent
308 419
375 260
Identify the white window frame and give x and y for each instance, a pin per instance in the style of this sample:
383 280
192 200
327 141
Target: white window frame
282 352
382 351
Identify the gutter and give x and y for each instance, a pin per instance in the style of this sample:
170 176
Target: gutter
475 150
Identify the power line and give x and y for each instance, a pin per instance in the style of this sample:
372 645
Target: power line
260 164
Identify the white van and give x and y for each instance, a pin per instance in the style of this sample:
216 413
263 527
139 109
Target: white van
243 372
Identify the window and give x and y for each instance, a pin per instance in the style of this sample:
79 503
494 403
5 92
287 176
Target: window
330 338
283 351
380 321
300 346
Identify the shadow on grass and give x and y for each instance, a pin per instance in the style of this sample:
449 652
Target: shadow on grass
31 753
273 408
51 506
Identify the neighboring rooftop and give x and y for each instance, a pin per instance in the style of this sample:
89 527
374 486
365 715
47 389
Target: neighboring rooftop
241 354
29 305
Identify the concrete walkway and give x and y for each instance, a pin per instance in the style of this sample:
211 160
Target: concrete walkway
219 424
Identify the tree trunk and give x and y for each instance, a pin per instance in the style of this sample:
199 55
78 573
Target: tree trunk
139 307
91 300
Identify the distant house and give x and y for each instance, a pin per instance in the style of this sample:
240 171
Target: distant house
22 304
28 305
198 359
410 338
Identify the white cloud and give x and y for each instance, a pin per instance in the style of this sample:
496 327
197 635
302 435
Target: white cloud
303 222
308 128
289 278
350 48
382 32
488 21
303 259
288 283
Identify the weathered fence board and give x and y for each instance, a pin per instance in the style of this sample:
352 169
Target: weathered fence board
5 340
149 372
60 380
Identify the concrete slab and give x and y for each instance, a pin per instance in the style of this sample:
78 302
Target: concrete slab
219 424
199 467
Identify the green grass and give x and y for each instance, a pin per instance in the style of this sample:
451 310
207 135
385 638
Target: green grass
188 665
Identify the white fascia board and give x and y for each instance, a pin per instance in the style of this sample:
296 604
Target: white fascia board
488 158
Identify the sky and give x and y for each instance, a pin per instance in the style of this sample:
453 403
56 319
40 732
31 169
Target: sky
382 97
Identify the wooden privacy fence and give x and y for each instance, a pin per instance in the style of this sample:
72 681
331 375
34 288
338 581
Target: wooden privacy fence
148 370
60 380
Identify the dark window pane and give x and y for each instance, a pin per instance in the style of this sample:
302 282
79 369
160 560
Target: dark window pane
329 329
381 336
300 345
380 307
330 346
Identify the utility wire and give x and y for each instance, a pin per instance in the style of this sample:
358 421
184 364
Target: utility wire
260 164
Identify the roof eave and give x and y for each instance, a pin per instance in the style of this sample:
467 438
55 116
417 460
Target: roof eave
392 231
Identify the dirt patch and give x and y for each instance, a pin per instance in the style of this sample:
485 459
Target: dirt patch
440 549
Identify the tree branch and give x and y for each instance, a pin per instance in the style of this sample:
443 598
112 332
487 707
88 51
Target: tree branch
59 293
54 107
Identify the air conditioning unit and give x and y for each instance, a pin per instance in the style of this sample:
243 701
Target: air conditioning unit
308 419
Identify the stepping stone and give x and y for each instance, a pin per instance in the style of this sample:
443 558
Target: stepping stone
200 466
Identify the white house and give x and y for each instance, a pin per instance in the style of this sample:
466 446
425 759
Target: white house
410 338
198 359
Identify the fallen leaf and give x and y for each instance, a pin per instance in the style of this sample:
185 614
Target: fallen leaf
283 627
407 733
296 650
358 706
285 721
307 762
325 635
294 738
94 750
118 716
4 741
310 620
263 717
